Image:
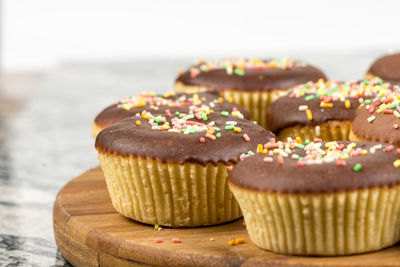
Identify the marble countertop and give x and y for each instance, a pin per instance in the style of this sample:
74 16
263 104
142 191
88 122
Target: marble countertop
50 142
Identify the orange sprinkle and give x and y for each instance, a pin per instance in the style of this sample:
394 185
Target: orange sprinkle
210 136
246 137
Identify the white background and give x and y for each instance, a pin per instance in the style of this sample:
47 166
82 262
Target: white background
41 33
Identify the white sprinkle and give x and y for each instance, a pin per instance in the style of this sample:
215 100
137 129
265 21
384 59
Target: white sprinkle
396 113
371 119
303 107
295 156
317 130
268 159
283 154
231 122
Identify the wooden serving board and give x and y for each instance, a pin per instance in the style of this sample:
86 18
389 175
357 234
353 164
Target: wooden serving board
89 232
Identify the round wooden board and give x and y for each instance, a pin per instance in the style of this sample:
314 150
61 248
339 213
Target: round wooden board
89 232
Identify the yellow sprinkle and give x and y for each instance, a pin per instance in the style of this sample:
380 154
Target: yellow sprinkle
260 148
347 103
237 129
396 163
309 114
220 100
351 145
210 132
239 240
230 99
231 242
298 139
126 106
326 105
364 152
145 116
379 110
344 157
138 123
265 151
141 104
212 239
329 144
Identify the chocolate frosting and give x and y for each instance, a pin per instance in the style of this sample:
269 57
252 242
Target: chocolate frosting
254 79
377 170
114 113
284 112
380 130
387 68
125 138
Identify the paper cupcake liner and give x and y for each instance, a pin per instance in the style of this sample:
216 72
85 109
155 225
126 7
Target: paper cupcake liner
354 137
177 195
256 102
341 223
333 130
96 129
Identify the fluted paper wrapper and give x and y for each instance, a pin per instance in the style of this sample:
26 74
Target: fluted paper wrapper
256 102
334 224
333 130
176 195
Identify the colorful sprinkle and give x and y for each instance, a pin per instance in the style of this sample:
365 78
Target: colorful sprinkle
138 123
158 240
309 114
246 137
371 119
357 167
176 240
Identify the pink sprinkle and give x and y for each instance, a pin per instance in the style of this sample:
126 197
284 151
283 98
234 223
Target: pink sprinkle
280 159
268 159
176 240
396 126
317 140
389 148
202 140
210 136
234 109
246 138
271 145
168 112
301 164
230 168
194 72
398 151
371 109
158 240
340 163
272 140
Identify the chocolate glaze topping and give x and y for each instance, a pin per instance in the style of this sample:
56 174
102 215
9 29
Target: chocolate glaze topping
387 68
284 112
380 130
377 170
253 79
115 113
125 138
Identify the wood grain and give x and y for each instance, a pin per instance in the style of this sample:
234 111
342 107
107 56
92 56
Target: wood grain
89 232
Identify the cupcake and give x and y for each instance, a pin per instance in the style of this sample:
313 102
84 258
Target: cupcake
323 109
378 119
325 199
386 68
252 83
172 170
171 102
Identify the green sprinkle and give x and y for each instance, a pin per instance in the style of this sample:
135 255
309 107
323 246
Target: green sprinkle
217 129
177 113
204 116
367 101
383 105
357 167
306 142
392 106
309 97
229 127
379 80
239 72
365 82
218 135
158 119
193 131
225 113
251 153
301 146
